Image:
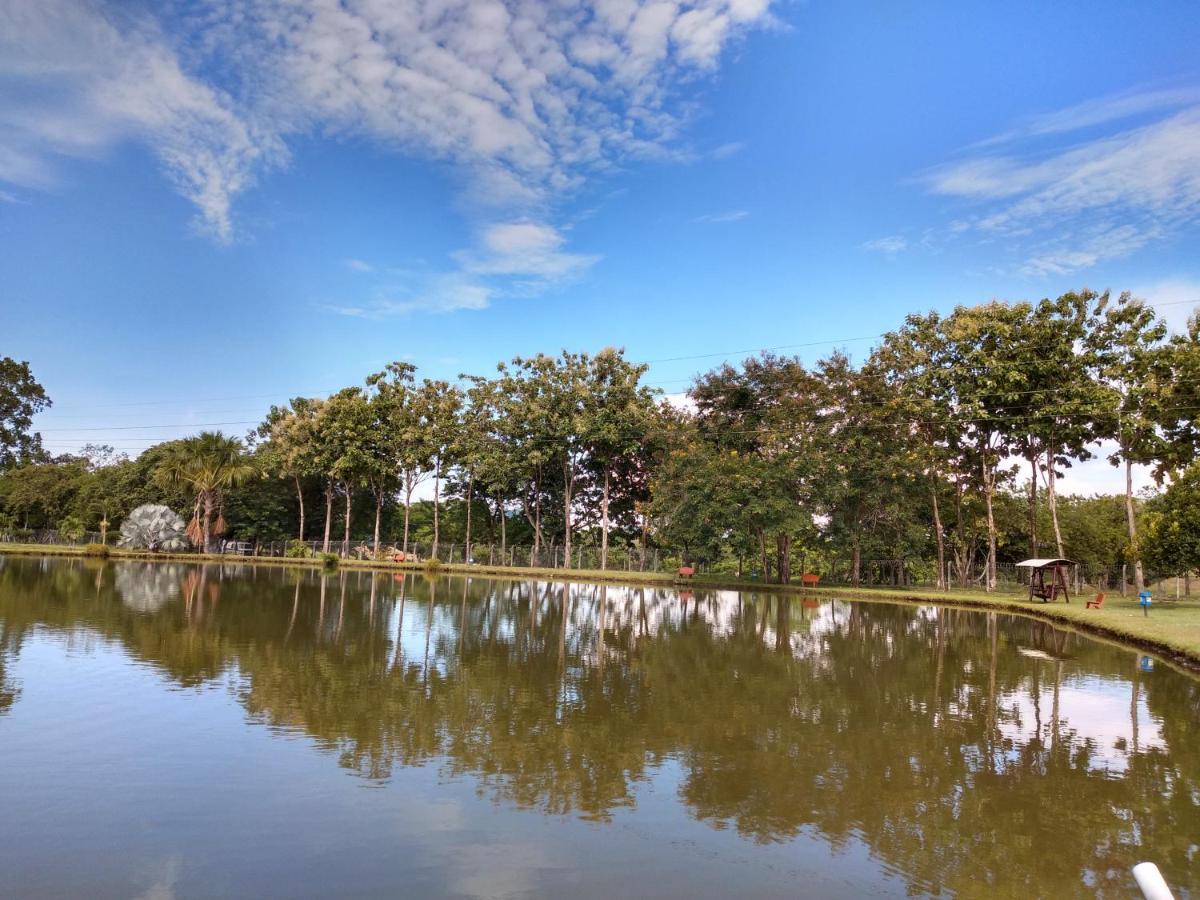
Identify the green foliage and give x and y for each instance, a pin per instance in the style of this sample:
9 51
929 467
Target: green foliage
432 566
329 560
98 550
838 466
21 398
1170 542
72 528
297 549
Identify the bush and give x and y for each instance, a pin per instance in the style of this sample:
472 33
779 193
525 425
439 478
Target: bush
72 528
329 560
433 565
98 550
297 549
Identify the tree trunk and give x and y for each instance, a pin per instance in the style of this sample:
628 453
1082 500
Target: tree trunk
437 490
856 560
604 522
1053 500
766 560
408 489
1033 480
328 514
537 518
937 528
567 514
346 532
783 558
503 532
300 497
467 546
206 522
1139 579
988 489
378 513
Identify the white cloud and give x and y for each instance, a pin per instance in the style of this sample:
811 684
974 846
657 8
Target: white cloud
525 98
725 151
888 246
531 249
358 265
1071 207
734 215
75 81
441 292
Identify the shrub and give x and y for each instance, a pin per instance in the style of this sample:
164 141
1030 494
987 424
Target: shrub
297 549
72 528
99 550
329 560
433 565
154 527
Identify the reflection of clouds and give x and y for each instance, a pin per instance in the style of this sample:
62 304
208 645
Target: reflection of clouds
497 869
146 587
1090 709
163 887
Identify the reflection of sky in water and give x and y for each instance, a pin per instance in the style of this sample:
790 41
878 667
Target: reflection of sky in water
834 749
1090 708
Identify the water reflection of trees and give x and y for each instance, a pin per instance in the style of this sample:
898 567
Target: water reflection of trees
943 739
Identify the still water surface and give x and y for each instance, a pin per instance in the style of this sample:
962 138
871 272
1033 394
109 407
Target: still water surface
175 730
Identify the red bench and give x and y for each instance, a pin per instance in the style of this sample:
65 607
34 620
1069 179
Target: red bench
1098 603
808 579
686 571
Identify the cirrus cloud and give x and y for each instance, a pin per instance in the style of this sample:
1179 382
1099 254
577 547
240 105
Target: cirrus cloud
1135 179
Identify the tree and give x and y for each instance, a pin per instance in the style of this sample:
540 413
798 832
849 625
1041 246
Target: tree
21 398
404 441
1125 342
617 414
344 436
1170 541
72 528
982 375
1058 405
207 464
290 447
909 359
438 406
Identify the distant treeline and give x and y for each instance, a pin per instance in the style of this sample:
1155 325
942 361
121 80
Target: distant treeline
943 447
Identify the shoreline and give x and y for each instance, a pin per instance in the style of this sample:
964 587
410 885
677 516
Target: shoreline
1171 631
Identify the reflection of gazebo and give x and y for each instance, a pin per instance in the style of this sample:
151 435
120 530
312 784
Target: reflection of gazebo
1048 578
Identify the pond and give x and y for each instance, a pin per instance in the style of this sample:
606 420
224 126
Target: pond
184 730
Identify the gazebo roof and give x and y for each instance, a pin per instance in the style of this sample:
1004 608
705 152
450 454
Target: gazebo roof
1044 563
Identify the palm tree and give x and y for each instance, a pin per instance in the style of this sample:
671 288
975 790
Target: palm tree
208 464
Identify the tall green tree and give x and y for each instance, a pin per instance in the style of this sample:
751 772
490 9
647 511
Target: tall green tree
439 407
208 465
1131 365
618 412
21 398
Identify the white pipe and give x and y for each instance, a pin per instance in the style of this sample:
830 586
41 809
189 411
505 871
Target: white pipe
1150 880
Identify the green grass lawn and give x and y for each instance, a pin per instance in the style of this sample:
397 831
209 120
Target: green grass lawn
1172 628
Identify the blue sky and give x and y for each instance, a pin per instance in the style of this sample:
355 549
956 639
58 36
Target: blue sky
209 207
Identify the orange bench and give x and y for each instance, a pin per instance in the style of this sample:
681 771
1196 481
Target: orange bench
686 571
1098 603
808 579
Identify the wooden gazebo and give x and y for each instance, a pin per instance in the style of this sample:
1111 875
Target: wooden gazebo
1047 578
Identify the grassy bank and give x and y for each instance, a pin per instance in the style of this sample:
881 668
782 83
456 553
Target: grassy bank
1172 629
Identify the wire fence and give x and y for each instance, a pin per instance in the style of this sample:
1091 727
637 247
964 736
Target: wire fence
896 573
